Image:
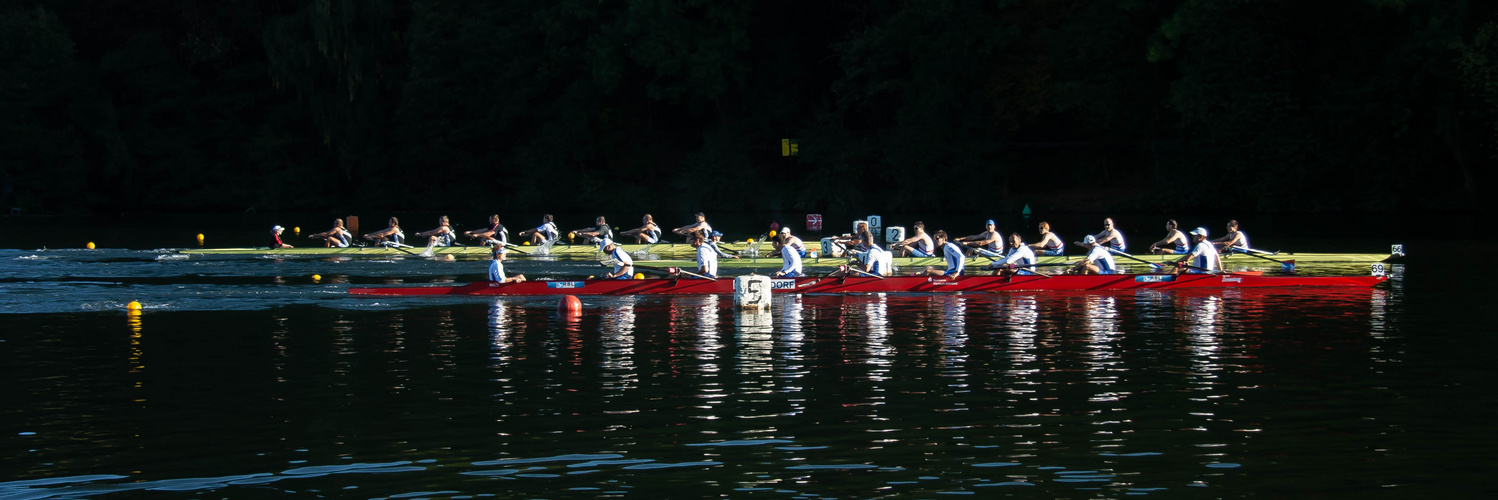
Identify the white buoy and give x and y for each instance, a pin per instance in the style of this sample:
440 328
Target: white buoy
751 292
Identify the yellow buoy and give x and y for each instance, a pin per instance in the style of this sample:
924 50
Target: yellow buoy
525 243
132 306
297 230
571 234
449 257
639 276
200 239
750 240
89 246
772 234
317 277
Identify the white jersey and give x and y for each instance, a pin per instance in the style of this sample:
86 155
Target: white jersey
496 271
549 230
1103 258
791 259
1242 241
1020 256
707 259
1204 255
878 260
953 253
1117 242
621 259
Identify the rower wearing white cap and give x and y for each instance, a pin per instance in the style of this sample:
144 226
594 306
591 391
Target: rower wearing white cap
987 243
275 237
497 268
1098 261
1203 255
624 267
790 258
1234 241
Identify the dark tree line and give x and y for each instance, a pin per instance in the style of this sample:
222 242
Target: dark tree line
895 105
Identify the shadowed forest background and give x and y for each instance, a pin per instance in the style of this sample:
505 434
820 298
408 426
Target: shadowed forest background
228 105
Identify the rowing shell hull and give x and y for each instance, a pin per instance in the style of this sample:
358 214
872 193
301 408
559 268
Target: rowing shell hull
898 284
579 252
978 262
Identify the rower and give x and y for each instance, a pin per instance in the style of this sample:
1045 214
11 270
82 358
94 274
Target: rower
1098 261
791 241
442 236
335 237
849 244
390 236
1203 254
791 259
953 254
987 243
1173 243
918 245
494 235
647 233
497 268
1049 244
599 233
707 259
1020 260
700 227
875 260
543 233
1234 241
624 267
275 237
1110 237
716 238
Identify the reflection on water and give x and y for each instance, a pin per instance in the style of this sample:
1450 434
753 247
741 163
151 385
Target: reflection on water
1076 394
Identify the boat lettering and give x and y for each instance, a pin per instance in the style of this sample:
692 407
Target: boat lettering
1226 279
564 284
782 284
1153 278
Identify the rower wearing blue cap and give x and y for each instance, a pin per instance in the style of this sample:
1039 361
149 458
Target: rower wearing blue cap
714 239
987 243
497 268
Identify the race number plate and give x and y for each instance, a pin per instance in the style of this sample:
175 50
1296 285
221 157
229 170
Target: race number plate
1379 269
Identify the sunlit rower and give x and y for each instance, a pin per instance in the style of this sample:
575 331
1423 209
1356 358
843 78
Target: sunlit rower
494 235
1234 241
707 258
497 268
1173 243
1021 258
1203 254
874 260
647 233
543 233
600 233
442 236
716 238
1049 244
1098 261
1110 236
700 227
624 266
335 237
917 245
390 236
789 257
987 243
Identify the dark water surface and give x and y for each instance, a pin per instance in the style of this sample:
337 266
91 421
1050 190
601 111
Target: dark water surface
244 377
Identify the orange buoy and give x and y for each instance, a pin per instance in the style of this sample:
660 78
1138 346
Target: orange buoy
570 304
89 246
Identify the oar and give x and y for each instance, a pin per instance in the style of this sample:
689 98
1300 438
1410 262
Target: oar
1288 265
860 271
1121 253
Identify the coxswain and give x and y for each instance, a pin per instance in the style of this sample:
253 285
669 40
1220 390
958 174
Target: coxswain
1021 258
707 259
1173 243
647 233
390 236
987 243
1234 241
442 236
543 233
1049 244
275 237
493 235
917 245
1203 257
1110 237
336 237
624 267
701 227
497 268
1098 261
790 258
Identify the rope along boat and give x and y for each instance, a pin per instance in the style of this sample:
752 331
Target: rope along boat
897 284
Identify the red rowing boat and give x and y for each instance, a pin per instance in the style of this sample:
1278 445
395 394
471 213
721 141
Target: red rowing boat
896 284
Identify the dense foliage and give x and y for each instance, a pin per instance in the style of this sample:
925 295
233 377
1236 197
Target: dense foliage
1267 105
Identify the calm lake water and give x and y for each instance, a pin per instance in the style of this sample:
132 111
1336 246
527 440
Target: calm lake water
245 377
